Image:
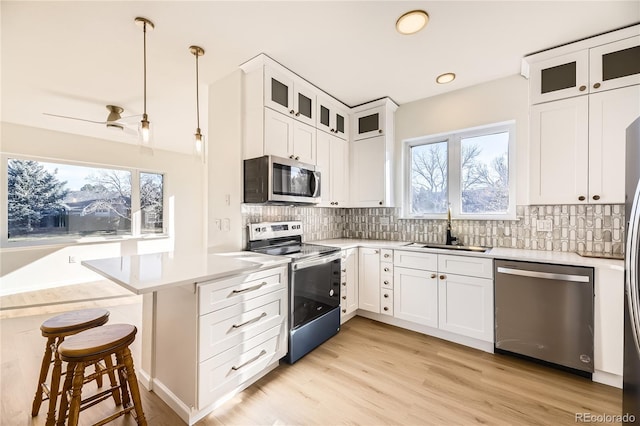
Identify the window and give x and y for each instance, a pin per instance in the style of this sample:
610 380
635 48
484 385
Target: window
470 171
52 202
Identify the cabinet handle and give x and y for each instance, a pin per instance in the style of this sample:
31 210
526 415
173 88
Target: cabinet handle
255 358
379 130
255 287
443 277
344 297
582 88
291 157
386 295
297 114
292 112
344 284
332 131
581 198
297 158
596 197
386 255
433 275
344 311
596 86
386 269
262 315
386 282
385 308
344 270
376 252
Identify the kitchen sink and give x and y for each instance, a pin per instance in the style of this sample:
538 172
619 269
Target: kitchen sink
477 249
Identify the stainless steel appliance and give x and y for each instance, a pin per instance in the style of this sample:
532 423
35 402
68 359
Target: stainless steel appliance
314 283
631 371
270 179
545 312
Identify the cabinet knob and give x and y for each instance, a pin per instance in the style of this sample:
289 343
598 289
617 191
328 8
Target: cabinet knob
443 277
297 158
380 203
386 295
376 252
596 197
297 114
385 308
344 297
582 88
386 269
596 86
379 130
292 112
332 131
386 255
386 282
581 198
336 203
344 270
433 275
291 156
344 284
344 311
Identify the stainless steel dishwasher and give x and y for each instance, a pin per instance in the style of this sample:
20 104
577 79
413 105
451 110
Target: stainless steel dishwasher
545 312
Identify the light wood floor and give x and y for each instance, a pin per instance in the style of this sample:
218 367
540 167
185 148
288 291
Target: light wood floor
369 374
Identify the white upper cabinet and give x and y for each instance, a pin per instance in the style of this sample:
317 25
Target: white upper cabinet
332 118
593 65
369 123
615 65
290 96
286 137
332 161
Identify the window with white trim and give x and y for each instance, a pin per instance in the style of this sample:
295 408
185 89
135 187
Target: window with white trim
54 202
470 171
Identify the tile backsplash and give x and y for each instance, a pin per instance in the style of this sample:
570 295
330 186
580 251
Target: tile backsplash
597 228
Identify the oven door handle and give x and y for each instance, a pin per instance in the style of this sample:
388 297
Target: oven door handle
315 262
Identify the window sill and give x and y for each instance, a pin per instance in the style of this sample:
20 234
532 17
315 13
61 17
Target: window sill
474 217
8 246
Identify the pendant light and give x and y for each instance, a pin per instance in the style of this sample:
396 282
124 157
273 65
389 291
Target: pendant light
198 137
145 125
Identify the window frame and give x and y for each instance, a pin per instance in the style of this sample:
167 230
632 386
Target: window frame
454 172
136 225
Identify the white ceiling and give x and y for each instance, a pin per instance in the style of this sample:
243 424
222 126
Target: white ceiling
74 57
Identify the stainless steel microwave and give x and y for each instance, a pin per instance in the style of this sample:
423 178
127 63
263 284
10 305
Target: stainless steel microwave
278 180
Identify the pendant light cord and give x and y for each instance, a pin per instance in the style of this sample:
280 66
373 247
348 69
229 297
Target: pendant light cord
144 49
197 96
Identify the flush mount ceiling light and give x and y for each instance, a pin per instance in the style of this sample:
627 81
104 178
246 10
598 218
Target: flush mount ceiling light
445 78
145 125
412 22
198 136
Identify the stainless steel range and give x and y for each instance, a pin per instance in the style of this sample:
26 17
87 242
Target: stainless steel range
314 283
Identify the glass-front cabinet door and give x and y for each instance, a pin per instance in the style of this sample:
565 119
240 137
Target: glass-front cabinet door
278 92
561 77
304 103
615 65
332 119
369 123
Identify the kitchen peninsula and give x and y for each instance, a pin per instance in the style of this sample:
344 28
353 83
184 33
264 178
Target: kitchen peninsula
212 324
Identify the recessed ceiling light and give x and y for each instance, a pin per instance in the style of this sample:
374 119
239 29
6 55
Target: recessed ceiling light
445 78
412 22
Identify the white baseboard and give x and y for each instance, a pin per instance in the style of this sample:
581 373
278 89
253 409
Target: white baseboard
145 379
607 379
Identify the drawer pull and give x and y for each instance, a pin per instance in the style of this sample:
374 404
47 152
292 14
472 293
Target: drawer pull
386 282
433 275
386 295
255 287
344 284
386 269
344 270
385 308
262 315
443 277
255 358
386 255
344 297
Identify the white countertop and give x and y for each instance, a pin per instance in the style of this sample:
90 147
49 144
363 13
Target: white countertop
147 273
557 257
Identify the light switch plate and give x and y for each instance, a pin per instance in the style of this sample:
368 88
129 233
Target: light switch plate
545 225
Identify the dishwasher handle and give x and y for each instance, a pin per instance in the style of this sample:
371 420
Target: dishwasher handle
544 275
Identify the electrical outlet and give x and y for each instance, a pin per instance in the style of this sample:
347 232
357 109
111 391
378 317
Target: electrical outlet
544 225
226 224
73 259
217 225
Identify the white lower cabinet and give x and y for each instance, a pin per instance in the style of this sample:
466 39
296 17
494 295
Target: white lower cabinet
448 292
349 283
216 338
609 304
369 279
416 296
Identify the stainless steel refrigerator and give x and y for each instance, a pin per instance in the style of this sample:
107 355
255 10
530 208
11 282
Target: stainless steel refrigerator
631 386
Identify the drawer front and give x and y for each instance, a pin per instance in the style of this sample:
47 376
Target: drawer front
386 268
224 372
465 265
415 260
386 255
224 293
386 281
386 301
225 328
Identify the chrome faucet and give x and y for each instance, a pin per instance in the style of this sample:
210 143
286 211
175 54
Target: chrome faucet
450 238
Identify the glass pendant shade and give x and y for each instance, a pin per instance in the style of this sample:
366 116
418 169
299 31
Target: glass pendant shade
144 131
198 143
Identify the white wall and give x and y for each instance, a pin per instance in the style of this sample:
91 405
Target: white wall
492 102
225 195
30 268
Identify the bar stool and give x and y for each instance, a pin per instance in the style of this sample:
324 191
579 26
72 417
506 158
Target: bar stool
55 329
84 349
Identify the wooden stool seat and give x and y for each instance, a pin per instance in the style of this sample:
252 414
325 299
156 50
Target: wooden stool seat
56 329
87 347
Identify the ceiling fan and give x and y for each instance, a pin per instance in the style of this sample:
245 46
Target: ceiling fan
114 120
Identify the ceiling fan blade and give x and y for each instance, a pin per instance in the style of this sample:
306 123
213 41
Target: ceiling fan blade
74 118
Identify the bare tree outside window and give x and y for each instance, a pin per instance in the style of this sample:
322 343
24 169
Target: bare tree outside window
429 178
151 202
